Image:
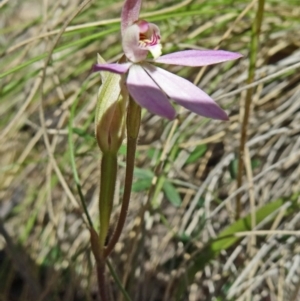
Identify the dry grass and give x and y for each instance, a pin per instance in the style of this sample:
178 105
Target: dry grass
162 253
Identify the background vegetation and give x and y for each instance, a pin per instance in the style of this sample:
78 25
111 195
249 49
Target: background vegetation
181 241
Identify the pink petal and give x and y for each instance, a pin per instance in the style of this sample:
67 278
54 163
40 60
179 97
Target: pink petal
147 94
197 58
115 68
130 13
185 93
130 43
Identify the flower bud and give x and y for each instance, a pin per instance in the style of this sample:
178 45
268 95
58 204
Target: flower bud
111 111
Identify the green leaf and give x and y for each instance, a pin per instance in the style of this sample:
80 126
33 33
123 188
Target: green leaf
171 193
226 238
144 179
141 185
197 153
233 167
142 173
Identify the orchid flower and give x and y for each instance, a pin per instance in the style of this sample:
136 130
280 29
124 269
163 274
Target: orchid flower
152 87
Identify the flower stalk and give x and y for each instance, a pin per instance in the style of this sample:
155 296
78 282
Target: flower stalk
133 125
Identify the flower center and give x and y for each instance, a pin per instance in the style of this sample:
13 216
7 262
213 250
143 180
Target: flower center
139 38
149 37
149 40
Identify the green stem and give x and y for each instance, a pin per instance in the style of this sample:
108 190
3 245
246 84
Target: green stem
107 191
106 198
133 125
251 73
